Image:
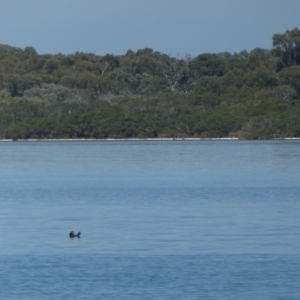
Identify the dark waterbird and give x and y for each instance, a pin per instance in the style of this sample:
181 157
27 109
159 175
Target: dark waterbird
72 234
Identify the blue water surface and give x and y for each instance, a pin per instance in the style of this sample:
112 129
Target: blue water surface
159 220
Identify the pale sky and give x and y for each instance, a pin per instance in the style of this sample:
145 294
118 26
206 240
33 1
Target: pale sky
174 27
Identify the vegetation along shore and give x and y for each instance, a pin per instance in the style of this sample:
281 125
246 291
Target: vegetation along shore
150 95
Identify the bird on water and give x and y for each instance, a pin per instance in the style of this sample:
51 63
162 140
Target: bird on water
73 235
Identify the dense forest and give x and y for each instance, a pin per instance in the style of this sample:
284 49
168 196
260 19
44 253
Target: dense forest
147 94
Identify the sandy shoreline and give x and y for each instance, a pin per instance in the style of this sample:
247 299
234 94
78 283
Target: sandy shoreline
130 139
135 139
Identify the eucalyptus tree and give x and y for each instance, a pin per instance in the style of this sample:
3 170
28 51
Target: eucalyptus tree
287 48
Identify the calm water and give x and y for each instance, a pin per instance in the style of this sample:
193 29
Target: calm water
159 220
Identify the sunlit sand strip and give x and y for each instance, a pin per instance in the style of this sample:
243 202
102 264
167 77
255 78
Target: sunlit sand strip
130 139
137 139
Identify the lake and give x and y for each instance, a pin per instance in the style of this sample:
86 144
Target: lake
158 220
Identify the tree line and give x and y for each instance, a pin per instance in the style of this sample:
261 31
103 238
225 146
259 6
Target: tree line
250 95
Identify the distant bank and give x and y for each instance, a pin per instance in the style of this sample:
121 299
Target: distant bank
249 95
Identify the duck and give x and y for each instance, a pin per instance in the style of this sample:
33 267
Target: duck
72 234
